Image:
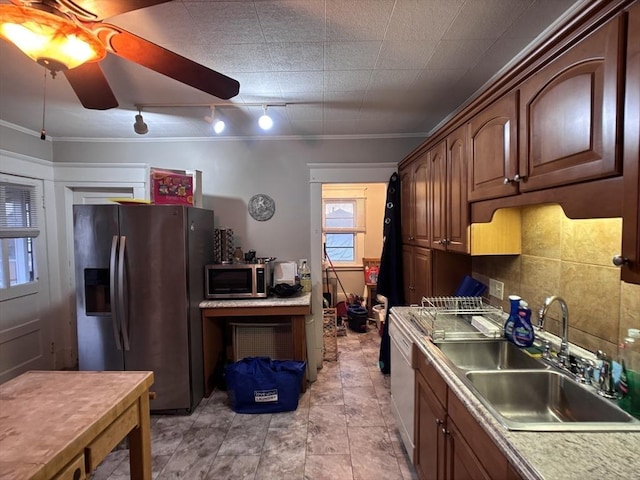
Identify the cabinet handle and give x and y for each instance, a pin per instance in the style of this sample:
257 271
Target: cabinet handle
438 422
619 260
445 432
517 178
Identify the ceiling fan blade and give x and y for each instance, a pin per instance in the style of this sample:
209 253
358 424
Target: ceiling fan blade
99 9
91 86
166 62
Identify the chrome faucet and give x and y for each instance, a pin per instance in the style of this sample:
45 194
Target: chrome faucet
606 386
563 354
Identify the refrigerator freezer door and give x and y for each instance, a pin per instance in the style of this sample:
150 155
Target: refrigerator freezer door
156 297
95 227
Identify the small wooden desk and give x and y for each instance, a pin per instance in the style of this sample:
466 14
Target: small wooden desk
61 425
215 312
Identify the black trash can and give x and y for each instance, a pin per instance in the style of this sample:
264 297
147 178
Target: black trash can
357 316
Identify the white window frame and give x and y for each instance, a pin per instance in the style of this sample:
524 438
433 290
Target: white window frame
9 233
358 230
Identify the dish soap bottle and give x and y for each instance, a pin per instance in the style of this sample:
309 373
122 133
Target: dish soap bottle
629 384
523 334
305 277
514 300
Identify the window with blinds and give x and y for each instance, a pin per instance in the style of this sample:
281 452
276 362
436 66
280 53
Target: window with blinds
18 229
343 227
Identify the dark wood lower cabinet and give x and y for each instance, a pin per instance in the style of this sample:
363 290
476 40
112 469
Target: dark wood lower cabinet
450 443
430 442
462 463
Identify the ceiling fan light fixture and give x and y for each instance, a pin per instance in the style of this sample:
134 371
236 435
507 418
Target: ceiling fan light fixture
265 121
139 126
51 39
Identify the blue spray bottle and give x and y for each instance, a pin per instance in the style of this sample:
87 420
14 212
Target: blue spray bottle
514 300
523 333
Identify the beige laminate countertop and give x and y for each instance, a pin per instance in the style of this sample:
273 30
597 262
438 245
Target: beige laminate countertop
300 300
543 455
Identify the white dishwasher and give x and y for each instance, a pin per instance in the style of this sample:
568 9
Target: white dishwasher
402 381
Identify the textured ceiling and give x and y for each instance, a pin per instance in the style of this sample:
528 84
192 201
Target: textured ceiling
343 67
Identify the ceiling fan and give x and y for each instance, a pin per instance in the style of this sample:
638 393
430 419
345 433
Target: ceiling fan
77 26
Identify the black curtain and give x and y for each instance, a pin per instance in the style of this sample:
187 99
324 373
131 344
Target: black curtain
390 281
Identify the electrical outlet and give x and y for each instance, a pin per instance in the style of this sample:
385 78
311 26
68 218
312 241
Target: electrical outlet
496 289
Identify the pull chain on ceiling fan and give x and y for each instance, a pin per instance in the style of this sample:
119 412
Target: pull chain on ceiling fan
43 133
52 32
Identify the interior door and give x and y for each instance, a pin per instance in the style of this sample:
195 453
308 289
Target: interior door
26 341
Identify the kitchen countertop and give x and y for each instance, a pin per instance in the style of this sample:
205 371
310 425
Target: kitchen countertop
300 300
541 455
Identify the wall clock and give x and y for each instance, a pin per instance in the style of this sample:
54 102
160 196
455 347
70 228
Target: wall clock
261 207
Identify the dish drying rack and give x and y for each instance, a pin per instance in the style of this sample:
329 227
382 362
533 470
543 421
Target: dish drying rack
458 318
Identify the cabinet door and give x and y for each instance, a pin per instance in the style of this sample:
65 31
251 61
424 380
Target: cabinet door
462 464
458 208
416 264
422 280
439 200
408 274
570 116
420 211
492 147
631 199
430 422
413 201
406 203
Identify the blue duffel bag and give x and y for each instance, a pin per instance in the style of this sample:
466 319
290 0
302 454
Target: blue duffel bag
262 385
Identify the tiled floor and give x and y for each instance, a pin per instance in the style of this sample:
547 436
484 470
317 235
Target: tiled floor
343 429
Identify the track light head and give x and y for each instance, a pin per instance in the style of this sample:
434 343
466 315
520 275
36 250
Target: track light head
139 126
216 122
265 120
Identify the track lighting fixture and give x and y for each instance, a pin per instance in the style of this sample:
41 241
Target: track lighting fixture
216 122
139 126
265 120
214 118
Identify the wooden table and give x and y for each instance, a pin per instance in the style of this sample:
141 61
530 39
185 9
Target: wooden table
215 312
61 425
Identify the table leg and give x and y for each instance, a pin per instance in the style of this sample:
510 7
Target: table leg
298 333
140 442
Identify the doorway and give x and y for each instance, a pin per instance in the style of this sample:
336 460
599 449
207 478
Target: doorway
319 175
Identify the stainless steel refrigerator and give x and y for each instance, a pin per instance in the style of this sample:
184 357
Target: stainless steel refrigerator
139 281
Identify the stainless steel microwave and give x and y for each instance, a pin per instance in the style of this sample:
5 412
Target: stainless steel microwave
251 280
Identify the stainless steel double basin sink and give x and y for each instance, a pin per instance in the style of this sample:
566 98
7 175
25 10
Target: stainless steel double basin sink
525 393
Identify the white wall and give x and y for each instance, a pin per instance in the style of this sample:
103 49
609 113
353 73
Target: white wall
235 170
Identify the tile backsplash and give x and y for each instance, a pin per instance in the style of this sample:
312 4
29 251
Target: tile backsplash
571 259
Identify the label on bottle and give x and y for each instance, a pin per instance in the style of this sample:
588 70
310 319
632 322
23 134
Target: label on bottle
522 330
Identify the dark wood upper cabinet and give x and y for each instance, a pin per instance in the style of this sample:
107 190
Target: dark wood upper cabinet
570 120
438 198
492 150
458 214
631 199
448 186
414 184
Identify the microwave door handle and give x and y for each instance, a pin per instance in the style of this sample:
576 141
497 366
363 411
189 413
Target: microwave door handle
122 305
112 291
